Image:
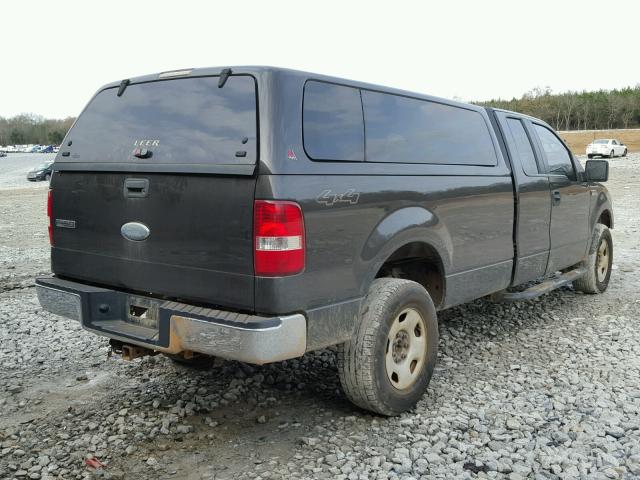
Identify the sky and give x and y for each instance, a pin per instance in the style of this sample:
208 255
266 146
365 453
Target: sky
56 54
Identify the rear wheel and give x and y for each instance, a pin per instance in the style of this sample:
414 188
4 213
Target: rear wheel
598 263
589 156
388 363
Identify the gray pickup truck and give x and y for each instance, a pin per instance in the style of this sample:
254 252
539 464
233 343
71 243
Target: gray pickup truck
257 213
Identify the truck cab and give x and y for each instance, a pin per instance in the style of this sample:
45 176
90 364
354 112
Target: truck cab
557 205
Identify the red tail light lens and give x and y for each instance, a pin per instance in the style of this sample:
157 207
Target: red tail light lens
49 206
278 238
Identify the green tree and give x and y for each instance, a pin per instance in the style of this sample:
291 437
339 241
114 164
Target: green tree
578 110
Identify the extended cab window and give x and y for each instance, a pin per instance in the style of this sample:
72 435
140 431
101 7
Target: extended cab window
333 128
558 157
522 146
188 120
408 130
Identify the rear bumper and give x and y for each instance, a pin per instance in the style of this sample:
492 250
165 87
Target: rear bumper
36 178
177 327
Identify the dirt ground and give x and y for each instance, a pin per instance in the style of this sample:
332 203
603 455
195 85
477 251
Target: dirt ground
546 389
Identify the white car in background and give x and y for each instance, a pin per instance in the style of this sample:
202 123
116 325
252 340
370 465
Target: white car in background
606 147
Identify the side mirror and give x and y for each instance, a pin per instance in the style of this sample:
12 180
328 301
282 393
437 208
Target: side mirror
596 170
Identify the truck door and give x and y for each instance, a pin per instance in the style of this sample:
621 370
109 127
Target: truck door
569 230
533 203
618 149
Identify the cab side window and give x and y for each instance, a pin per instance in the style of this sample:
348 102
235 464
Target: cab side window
558 157
522 146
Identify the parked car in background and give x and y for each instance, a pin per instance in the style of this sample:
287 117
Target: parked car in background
47 149
56 148
606 147
42 172
2 153
36 149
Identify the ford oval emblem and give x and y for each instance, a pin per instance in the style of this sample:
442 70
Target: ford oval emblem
135 231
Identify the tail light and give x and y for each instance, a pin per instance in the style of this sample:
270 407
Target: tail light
278 236
49 206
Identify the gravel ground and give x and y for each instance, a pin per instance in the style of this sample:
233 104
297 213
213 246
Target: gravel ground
543 389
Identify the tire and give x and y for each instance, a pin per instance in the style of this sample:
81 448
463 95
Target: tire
598 262
611 154
624 154
365 361
589 156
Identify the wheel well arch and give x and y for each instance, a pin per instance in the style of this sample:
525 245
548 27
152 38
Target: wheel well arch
420 262
606 219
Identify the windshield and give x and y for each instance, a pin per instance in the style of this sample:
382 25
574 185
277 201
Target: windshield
179 121
601 141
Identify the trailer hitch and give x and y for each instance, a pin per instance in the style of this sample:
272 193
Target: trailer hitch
127 351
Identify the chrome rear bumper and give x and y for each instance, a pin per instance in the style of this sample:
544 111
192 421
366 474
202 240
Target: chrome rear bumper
177 327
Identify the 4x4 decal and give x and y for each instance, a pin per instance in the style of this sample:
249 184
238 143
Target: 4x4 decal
328 198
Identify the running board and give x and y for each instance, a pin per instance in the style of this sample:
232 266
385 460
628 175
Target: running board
541 288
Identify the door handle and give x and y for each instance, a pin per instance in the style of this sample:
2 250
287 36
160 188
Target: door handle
556 197
136 187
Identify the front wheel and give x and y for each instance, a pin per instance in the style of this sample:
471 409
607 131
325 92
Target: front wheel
598 262
624 154
387 365
611 154
589 156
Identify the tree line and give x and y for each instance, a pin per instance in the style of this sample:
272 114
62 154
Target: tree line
596 110
28 129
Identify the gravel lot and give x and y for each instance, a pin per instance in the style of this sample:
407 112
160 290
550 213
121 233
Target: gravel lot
543 389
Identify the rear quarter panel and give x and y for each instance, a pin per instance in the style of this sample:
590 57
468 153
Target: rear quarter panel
467 219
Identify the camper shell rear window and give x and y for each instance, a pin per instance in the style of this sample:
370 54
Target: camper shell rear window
178 121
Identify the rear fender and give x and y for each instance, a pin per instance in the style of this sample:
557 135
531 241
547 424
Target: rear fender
399 228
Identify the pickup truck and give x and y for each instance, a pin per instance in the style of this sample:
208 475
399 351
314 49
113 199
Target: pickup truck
257 213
